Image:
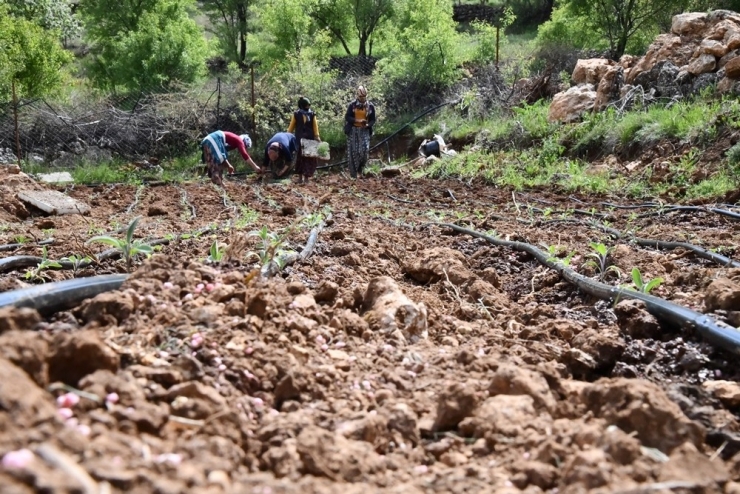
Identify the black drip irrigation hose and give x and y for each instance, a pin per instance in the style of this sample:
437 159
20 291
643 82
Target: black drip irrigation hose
724 337
693 209
7 247
18 262
60 295
666 245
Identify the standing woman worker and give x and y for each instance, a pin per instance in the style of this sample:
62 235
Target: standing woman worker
358 125
303 125
214 149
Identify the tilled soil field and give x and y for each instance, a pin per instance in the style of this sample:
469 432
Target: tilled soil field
400 356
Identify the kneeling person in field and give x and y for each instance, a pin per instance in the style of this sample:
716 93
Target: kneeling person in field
281 153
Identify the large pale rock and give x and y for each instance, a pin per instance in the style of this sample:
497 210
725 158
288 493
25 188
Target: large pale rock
665 47
641 407
729 56
590 71
512 380
732 40
568 106
723 294
719 31
609 87
732 68
388 309
702 64
728 86
690 24
439 263
714 48
728 392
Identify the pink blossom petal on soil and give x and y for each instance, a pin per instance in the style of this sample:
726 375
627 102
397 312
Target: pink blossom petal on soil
167 285
84 429
18 459
67 400
112 398
65 413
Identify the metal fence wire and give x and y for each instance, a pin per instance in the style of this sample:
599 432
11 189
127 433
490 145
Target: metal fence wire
94 130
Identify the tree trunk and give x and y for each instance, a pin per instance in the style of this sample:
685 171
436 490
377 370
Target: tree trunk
242 16
362 51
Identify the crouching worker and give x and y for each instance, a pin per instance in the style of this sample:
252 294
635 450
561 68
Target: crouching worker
215 148
433 149
281 153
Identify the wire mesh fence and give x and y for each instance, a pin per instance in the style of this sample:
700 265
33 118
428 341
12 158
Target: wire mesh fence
96 129
91 130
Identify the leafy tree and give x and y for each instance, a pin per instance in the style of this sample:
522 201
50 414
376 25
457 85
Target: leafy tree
286 23
143 44
229 18
423 44
31 59
49 14
620 20
31 62
360 17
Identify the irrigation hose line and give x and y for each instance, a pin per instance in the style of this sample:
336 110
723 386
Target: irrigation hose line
666 245
724 337
52 297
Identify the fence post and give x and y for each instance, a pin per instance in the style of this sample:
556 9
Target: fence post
251 76
218 102
15 120
497 41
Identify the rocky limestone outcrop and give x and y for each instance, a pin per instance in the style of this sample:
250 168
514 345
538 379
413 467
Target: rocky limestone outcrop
702 50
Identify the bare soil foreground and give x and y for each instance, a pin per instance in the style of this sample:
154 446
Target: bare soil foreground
401 356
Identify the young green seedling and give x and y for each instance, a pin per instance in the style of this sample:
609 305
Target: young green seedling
46 263
271 246
641 285
554 253
600 260
129 247
216 253
77 262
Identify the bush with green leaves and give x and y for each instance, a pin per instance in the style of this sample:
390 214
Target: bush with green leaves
128 247
143 45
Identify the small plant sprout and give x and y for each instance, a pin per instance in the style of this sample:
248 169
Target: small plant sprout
21 239
46 263
642 285
599 259
557 254
129 247
216 253
77 262
48 233
247 216
271 246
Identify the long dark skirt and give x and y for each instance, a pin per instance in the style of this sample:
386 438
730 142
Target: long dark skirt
358 145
